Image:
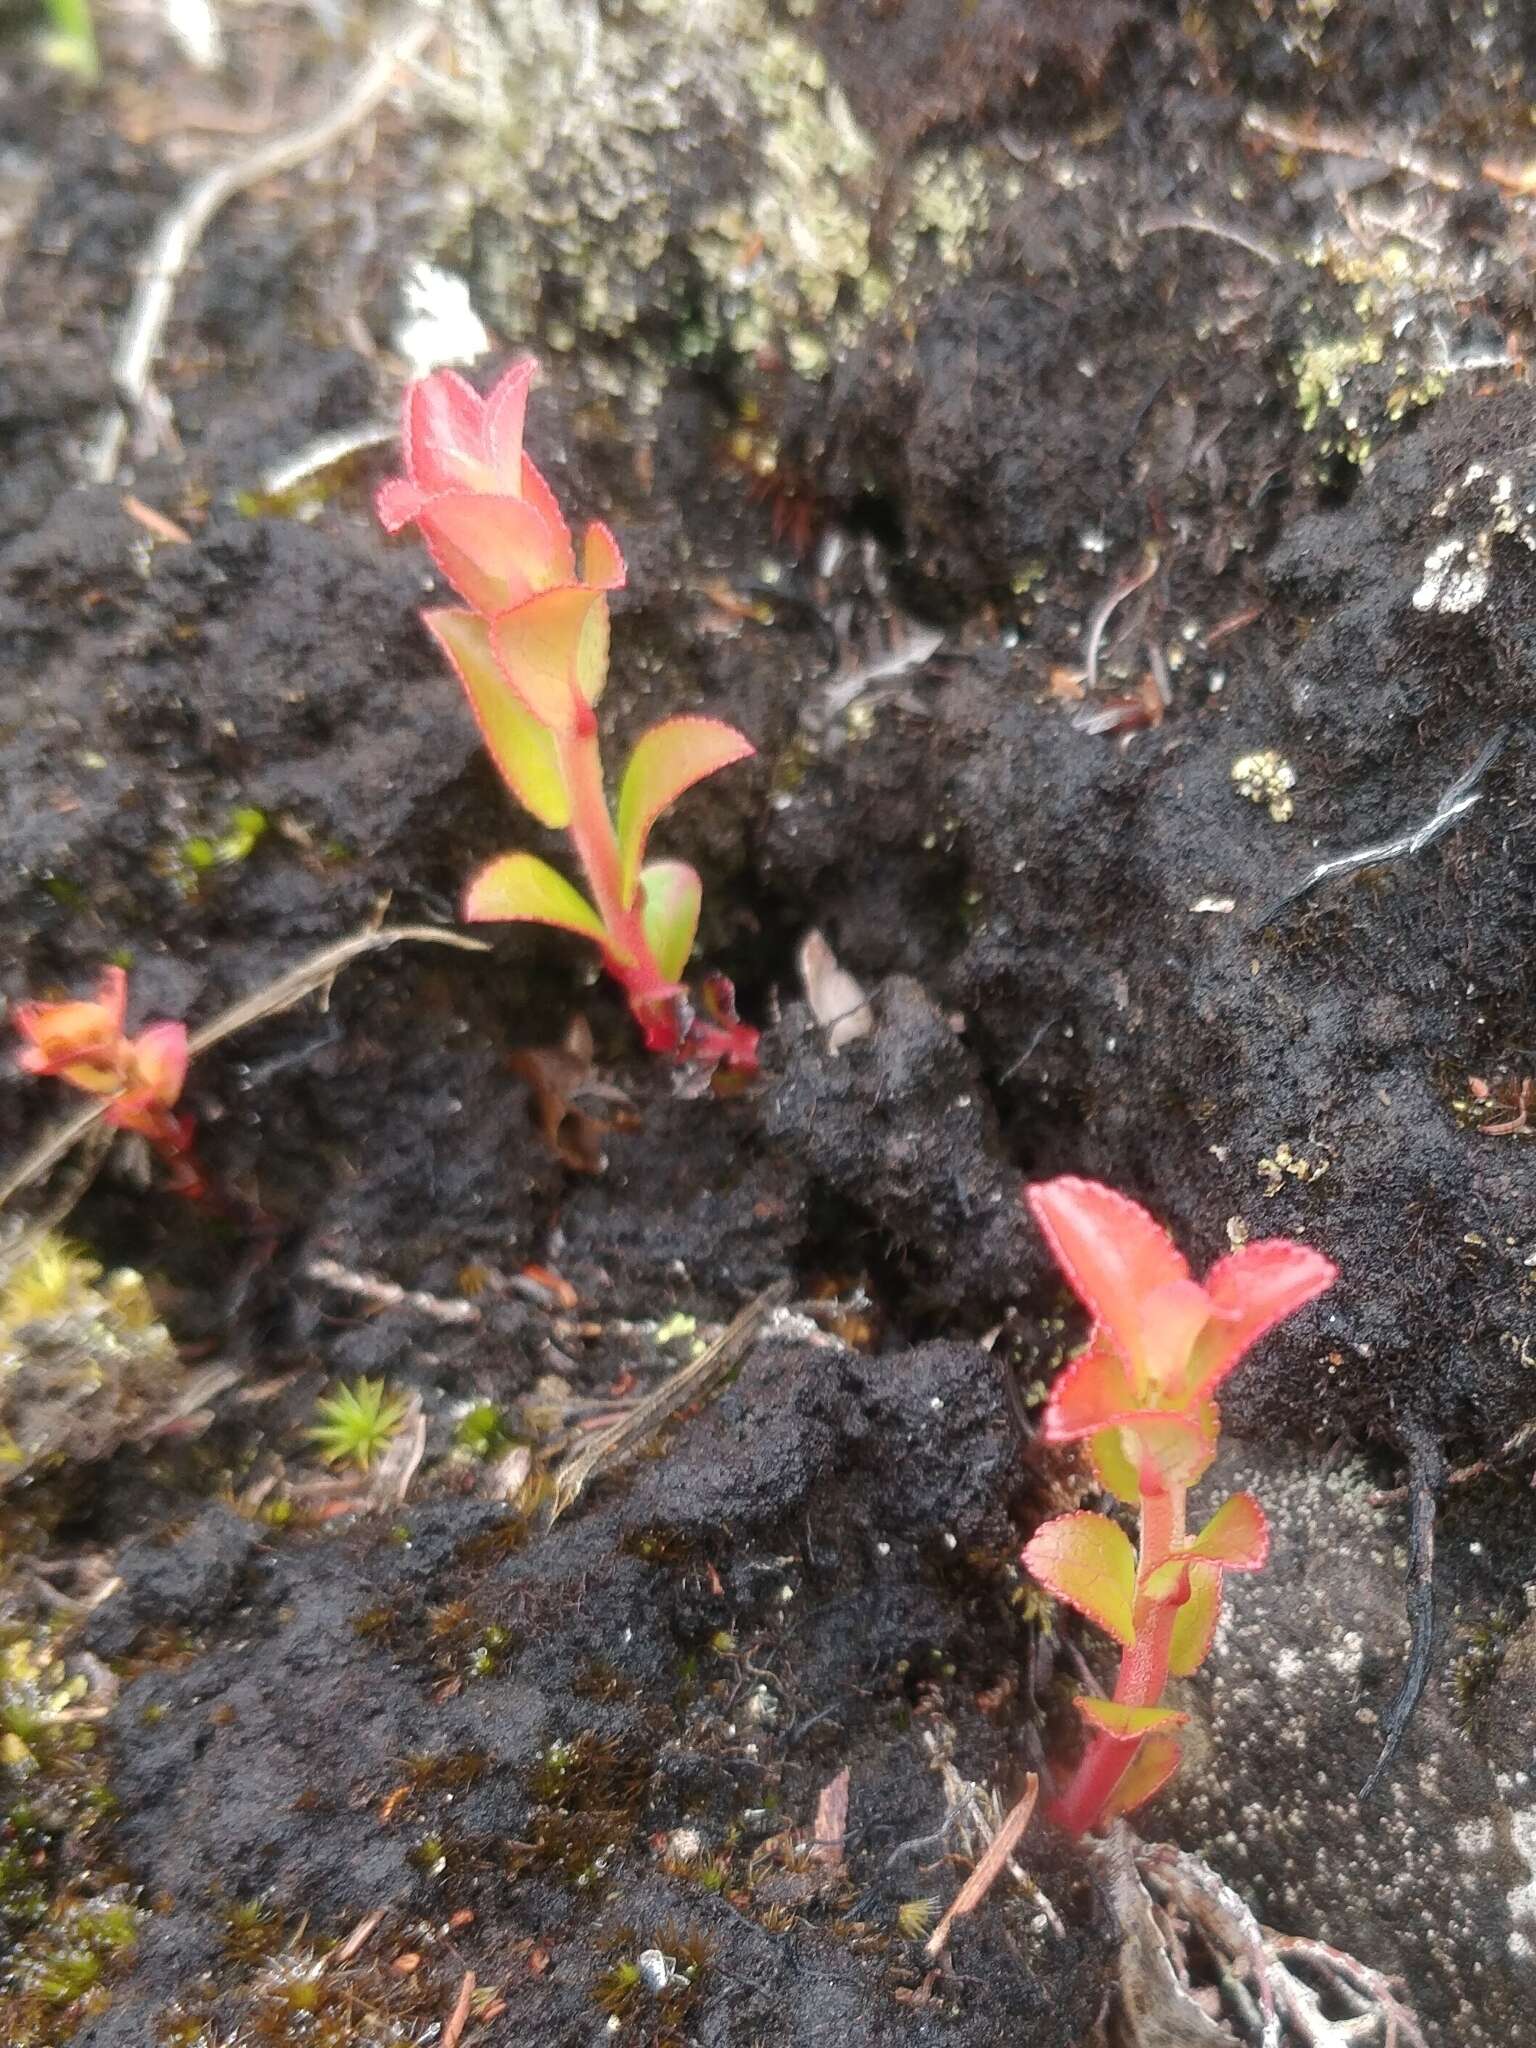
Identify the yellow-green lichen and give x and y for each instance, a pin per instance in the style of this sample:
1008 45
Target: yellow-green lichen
685 179
65 1924
1267 778
84 1360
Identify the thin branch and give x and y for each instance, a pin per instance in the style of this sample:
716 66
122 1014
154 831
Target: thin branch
613 1444
182 228
1142 574
1462 1475
1426 1478
1167 221
1391 151
381 1293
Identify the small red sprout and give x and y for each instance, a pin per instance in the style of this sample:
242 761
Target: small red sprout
1141 1392
532 654
84 1043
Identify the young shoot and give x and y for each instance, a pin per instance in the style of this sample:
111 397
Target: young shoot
1141 1395
84 1044
531 651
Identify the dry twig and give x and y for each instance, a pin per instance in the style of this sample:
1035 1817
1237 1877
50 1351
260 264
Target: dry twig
1391 151
182 228
389 1293
1462 795
458 2019
1254 1963
993 1859
613 1444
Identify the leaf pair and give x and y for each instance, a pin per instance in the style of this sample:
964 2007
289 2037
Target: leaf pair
1162 1342
1089 1562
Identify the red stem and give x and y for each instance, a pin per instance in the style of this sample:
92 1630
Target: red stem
1143 1669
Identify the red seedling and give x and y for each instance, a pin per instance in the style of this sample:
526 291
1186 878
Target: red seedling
84 1043
1141 1392
532 654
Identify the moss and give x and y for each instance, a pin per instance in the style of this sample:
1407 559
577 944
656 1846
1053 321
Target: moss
288 1991
483 1431
1371 348
67 1923
84 1360
652 1985
588 1795
597 1680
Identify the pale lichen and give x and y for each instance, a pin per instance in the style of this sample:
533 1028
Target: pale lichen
1266 777
686 180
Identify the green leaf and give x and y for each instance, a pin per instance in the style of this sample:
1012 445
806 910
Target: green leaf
1236 1536
670 895
1087 1561
1126 1724
520 889
1236 1539
553 650
1113 1469
1194 1625
670 758
1148 1772
524 751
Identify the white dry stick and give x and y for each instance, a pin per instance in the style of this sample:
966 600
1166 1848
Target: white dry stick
390 1480
984 1876
183 227
383 1293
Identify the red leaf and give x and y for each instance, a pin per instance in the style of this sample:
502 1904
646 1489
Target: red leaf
397 503
523 750
602 565
1172 1318
1092 1391
1087 1561
495 550
519 888
670 896
442 433
159 1056
1172 1450
506 407
538 494
1124 1723
1236 1537
553 650
1113 1253
1251 1291
1113 1469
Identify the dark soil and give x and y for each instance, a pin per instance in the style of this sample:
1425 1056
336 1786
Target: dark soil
538 1753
